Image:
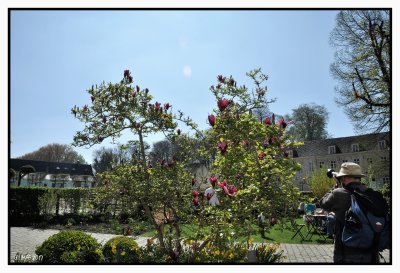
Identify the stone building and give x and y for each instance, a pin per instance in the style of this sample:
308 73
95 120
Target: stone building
371 152
52 174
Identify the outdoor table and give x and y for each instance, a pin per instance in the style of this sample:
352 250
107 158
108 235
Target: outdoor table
315 222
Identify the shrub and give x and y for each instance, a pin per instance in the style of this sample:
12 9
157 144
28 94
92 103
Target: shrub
121 249
267 253
70 246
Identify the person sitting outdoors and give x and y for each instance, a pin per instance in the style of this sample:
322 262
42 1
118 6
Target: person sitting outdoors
300 208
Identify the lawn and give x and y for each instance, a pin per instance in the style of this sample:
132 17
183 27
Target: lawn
279 233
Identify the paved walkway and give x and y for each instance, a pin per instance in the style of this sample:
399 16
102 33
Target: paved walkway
24 241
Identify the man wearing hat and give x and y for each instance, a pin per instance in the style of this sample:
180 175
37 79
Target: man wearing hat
338 200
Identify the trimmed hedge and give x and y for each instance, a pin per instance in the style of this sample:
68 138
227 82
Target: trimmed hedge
70 246
29 205
122 249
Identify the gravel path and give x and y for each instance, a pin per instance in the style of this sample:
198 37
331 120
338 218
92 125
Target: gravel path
24 241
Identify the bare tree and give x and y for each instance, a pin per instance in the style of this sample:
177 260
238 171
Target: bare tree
363 67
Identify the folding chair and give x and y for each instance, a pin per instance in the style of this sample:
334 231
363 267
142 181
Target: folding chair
297 228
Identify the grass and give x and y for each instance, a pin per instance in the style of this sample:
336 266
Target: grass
278 233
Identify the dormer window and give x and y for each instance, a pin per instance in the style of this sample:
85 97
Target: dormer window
355 148
332 150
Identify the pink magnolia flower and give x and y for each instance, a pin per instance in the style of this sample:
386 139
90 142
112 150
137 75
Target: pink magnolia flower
213 180
126 73
261 155
178 131
282 123
134 94
211 120
195 193
223 146
157 106
228 190
92 98
268 121
222 104
196 200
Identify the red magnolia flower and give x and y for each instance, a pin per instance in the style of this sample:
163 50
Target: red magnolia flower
273 118
209 196
267 121
178 131
167 105
261 155
223 184
282 123
85 108
213 180
104 119
238 176
228 190
231 190
196 200
126 73
92 98
157 106
221 78
273 221
134 94
223 146
222 104
232 82
195 193
211 120
286 154
137 88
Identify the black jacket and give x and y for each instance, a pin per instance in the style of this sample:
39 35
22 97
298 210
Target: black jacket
339 201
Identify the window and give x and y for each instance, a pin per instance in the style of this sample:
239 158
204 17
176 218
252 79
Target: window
310 166
321 164
382 144
332 150
386 180
356 160
369 160
383 158
333 164
355 148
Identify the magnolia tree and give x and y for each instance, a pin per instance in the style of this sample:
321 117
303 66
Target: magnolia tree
252 171
162 189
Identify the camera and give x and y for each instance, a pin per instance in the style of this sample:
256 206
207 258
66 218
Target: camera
330 173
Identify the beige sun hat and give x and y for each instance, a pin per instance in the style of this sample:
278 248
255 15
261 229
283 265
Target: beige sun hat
350 169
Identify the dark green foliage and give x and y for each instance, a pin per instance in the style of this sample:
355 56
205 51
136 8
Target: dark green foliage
70 246
29 205
122 249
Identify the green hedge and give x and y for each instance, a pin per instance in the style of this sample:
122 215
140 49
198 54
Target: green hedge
32 204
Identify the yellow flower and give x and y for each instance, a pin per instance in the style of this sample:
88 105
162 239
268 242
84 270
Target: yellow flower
123 253
114 249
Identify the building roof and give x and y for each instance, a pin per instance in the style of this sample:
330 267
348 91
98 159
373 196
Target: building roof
342 144
52 167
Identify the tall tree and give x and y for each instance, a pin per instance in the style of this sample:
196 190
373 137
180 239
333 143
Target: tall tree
55 152
309 122
362 66
106 159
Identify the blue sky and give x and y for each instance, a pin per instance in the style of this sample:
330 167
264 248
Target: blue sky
57 55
